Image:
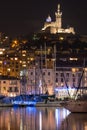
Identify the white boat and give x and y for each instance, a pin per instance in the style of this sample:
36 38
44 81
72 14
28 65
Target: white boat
75 106
80 104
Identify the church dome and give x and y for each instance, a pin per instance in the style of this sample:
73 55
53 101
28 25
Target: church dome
48 19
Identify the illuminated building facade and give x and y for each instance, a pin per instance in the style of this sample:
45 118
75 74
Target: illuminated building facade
9 86
40 81
35 61
57 80
56 27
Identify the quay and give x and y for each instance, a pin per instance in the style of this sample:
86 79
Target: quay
37 104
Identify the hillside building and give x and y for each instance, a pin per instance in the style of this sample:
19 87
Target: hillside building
56 26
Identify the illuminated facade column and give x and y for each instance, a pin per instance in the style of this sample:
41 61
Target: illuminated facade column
58 15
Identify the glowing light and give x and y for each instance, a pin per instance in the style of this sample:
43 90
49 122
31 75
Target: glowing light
85 69
15 43
23 51
5 62
24 62
23 54
6 37
48 19
1 51
74 59
40 83
31 59
24 65
75 70
11 58
61 38
16 58
0 62
9 69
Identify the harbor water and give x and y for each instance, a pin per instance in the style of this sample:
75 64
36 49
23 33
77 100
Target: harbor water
40 118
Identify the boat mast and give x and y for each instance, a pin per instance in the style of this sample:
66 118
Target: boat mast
41 73
42 84
80 79
46 67
66 84
54 67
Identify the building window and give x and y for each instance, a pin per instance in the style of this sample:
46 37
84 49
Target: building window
16 70
56 79
48 73
62 74
13 89
67 74
61 79
12 70
4 88
16 89
56 74
73 75
31 73
4 82
43 73
12 63
16 66
17 63
13 82
10 89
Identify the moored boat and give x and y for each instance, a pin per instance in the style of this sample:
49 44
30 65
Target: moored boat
78 104
75 106
23 103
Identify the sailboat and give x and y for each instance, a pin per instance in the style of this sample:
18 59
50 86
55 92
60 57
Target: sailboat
78 104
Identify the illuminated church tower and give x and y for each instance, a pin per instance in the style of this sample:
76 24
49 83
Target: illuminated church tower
56 27
58 15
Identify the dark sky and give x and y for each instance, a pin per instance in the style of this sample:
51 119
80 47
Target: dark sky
24 16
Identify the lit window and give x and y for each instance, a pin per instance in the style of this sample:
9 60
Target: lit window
16 58
48 81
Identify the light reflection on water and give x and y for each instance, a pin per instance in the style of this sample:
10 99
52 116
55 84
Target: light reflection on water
31 118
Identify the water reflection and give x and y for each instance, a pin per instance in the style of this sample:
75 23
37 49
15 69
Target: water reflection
75 121
31 118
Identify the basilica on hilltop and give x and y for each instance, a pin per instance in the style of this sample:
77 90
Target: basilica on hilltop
56 26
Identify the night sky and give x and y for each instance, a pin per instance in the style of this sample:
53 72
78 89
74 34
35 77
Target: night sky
21 17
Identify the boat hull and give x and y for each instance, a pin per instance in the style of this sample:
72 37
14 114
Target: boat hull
75 106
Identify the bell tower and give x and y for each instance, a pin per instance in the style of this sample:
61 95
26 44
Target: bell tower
58 15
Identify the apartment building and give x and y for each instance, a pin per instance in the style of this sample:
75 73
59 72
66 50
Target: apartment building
9 86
